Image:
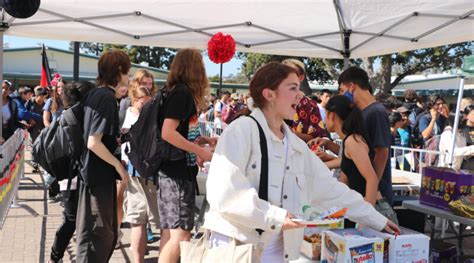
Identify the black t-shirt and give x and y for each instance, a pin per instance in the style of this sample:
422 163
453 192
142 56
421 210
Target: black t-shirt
100 117
395 140
377 126
179 105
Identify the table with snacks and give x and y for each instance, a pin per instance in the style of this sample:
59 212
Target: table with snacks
436 212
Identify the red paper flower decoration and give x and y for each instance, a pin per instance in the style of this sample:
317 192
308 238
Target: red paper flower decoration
56 78
221 48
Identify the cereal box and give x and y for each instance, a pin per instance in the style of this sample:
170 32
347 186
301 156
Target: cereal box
409 246
351 246
311 246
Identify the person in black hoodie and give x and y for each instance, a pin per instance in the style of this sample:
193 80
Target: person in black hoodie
71 94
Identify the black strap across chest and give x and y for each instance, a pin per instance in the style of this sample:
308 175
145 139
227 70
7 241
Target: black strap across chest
263 185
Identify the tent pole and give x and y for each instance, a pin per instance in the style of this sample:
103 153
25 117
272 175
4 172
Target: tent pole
220 82
346 62
75 70
347 51
1 73
456 121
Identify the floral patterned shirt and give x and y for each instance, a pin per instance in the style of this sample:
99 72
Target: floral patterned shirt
308 119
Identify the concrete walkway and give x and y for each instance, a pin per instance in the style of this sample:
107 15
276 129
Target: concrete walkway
28 232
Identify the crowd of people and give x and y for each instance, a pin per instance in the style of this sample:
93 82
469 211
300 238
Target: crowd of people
300 133
429 125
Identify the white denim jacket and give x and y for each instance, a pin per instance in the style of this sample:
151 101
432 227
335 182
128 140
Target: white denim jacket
235 208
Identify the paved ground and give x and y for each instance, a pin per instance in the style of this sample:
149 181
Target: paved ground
29 232
28 238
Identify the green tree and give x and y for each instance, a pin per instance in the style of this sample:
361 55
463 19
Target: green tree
238 78
154 56
380 68
442 58
214 78
315 68
90 48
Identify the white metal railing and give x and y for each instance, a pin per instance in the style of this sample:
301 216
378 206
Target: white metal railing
211 129
11 170
413 160
403 158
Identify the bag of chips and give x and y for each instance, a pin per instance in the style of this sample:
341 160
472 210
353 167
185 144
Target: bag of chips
464 206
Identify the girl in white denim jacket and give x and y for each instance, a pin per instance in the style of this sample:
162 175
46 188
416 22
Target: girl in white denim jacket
296 176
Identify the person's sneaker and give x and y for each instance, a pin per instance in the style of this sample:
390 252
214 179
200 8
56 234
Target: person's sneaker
53 199
119 238
35 168
149 235
48 179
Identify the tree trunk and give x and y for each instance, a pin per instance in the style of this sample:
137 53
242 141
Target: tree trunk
304 86
374 78
386 72
379 80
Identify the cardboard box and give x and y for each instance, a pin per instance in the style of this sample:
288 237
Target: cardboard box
439 186
314 233
311 250
409 246
351 246
443 252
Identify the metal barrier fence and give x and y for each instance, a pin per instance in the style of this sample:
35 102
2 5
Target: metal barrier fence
403 158
211 129
413 160
11 170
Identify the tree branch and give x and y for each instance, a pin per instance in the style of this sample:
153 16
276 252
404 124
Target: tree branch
406 73
330 69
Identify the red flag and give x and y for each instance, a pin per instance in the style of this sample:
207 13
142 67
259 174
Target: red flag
45 71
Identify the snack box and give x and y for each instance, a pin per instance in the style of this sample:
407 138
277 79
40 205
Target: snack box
443 252
409 246
439 186
311 246
351 246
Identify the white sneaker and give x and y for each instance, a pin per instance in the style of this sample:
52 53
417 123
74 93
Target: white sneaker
119 238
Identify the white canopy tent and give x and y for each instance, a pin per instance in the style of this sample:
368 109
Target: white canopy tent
313 28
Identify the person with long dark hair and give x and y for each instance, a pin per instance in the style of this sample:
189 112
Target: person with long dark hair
346 120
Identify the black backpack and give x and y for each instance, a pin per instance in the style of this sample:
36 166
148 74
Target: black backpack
59 147
417 139
148 151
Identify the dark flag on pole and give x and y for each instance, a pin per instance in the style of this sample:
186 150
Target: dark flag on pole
45 71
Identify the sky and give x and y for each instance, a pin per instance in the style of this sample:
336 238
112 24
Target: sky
231 67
